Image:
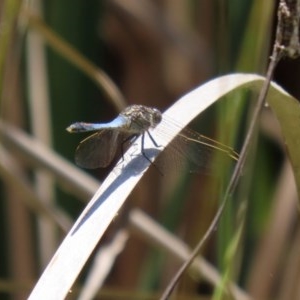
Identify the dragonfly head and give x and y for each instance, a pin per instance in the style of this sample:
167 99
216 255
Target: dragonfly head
155 117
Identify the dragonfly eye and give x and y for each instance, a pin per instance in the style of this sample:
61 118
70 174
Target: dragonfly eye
156 117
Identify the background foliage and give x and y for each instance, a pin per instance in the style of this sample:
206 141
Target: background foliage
153 51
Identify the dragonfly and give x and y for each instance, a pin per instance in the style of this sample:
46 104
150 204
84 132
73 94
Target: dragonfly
99 149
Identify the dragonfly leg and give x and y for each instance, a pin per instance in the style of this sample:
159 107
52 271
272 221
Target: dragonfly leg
144 154
153 140
131 138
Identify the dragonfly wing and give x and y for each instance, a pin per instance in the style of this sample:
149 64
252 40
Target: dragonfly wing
97 150
196 152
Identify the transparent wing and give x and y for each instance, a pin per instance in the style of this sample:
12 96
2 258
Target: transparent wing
196 150
97 150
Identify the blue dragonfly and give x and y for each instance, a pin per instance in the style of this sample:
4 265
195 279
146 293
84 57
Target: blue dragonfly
99 149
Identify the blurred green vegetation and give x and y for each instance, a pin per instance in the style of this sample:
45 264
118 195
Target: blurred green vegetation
154 51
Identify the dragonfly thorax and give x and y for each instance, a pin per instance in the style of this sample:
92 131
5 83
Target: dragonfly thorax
141 118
